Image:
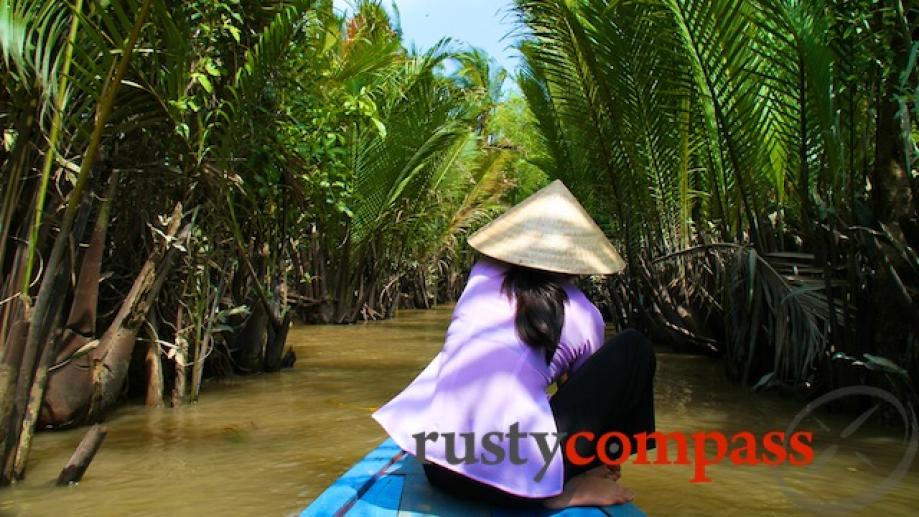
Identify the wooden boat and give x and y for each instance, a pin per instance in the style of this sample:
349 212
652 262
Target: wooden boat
389 483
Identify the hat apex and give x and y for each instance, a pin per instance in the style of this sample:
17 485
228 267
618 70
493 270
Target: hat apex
552 231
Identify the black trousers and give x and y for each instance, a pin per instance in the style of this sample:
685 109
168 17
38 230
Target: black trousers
612 391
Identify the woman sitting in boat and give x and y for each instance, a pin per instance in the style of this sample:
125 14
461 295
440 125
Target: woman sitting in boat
479 416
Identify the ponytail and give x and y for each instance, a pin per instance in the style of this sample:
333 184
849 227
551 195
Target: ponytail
540 307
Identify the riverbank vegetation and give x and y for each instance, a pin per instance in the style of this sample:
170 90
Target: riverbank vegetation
182 179
756 161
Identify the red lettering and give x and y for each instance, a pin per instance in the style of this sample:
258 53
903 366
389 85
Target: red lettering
774 442
746 453
572 454
801 443
660 440
743 448
702 461
602 448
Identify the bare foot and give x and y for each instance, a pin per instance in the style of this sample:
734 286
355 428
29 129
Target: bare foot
613 472
590 490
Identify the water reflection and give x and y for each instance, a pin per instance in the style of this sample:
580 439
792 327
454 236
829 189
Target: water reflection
268 445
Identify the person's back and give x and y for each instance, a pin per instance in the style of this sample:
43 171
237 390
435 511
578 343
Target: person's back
484 318
487 380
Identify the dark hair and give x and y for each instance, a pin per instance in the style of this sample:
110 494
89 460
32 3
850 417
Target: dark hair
540 307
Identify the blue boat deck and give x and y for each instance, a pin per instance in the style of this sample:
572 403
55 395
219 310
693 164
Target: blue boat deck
390 483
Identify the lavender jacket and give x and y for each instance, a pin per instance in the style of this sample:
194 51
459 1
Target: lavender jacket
485 379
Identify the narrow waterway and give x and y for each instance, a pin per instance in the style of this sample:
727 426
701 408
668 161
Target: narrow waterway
268 445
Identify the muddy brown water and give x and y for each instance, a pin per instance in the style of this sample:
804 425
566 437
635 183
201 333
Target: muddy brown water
268 445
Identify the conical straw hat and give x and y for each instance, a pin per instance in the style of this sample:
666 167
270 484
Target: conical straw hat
551 231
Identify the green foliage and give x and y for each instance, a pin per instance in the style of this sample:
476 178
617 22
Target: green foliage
513 127
735 147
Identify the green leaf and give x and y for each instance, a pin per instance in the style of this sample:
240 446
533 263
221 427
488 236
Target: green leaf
381 128
211 68
876 362
234 32
204 82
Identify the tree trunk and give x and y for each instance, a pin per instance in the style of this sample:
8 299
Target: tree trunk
180 359
86 451
274 351
249 343
12 357
197 371
36 394
154 363
73 396
117 343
